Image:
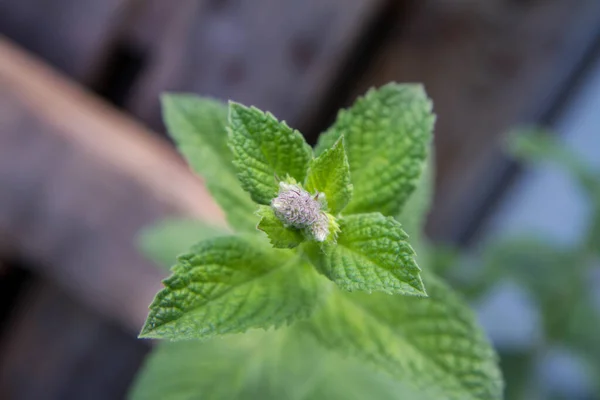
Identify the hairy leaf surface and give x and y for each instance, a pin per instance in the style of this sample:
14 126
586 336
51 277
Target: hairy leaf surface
371 254
330 174
198 127
433 343
282 364
279 235
264 150
229 285
387 133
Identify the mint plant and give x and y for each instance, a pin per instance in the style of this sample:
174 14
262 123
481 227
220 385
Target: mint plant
318 293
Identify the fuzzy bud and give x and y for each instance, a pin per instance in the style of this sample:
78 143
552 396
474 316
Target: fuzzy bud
295 207
320 228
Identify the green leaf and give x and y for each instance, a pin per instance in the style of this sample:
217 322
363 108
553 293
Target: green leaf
198 127
387 135
582 332
553 274
593 231
432 343
265 149
277 365
541 266
279 235
371 254
166 239
537 145
330 174
414 213
518 366
229 285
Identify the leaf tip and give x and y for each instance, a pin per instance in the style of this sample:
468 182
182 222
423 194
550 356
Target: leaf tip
235 109
339 141
420 288
146 332
167 103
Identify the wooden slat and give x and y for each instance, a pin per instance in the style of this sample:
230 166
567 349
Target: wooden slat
57 349
72 35
487 65
278 55
78 180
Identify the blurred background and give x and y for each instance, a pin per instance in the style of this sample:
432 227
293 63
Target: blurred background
85 163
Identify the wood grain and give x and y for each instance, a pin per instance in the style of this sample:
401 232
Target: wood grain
487 66
78 180
278 55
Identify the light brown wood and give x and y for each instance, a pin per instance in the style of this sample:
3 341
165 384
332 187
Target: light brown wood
78 179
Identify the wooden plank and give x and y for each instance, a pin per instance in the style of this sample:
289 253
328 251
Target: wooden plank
278 55
56 349
78 179
487 65
72 35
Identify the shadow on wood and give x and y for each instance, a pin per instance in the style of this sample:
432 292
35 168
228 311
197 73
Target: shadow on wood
77 181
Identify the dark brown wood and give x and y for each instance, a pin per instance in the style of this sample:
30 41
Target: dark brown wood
487 65
57 349
75 36
278 55
78 180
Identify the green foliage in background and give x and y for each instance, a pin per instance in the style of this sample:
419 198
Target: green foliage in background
319 294
556 277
